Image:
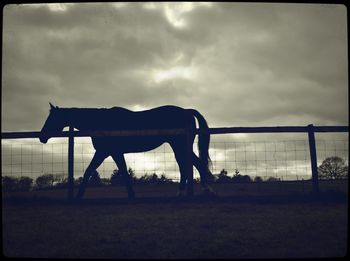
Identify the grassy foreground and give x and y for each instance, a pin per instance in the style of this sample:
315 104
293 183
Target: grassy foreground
169 228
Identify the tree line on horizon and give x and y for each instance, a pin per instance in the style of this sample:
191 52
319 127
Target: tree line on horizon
332 168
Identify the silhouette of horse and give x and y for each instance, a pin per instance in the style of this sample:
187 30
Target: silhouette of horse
117 118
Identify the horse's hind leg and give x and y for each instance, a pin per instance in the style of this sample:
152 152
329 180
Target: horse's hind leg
120 161
203 172
94 164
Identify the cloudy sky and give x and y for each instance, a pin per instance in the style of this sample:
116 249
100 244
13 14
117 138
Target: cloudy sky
239 64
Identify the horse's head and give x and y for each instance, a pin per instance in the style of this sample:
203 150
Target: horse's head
54 122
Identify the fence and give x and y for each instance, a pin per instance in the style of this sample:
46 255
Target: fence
310 130
283 156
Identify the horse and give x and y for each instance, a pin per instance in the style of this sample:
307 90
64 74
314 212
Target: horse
118 118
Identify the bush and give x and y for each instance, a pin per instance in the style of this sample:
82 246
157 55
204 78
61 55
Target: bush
163 179
333 168
211 178
105 181
258 179
45 181
222 177
246 179
143 179
95 180
153 178
272 179
117 178
16 184
9 183
241 179
78 181
25 183
62 184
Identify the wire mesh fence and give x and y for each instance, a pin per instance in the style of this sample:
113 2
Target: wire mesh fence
287 159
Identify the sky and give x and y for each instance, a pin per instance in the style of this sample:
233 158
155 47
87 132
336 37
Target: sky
239 64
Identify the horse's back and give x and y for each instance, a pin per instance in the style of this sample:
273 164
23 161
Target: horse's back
118 118
164 117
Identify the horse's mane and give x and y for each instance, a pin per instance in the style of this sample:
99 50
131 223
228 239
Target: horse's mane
75 109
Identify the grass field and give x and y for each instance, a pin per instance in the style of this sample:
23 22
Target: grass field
243 222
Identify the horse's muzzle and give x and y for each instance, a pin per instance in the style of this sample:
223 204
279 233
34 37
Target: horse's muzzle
43 139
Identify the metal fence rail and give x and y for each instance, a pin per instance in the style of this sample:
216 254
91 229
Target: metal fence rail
290 129
310 130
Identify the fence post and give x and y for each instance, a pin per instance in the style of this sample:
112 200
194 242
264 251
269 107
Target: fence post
313 158
71 164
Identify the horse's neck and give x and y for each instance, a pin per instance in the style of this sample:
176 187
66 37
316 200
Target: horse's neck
95 119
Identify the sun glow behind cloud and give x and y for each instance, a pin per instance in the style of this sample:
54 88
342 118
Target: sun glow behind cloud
175 11
138 107
57 7
177 68
172 73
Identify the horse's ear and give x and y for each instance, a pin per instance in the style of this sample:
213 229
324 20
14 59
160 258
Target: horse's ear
53 107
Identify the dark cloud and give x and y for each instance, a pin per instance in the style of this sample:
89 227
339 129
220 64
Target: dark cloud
286 60
239 64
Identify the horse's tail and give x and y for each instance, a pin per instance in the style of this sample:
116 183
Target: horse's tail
203 139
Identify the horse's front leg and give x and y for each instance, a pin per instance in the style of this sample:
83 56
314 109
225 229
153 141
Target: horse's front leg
94 164
179 148
120 161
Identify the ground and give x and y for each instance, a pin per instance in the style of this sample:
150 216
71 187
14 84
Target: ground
241 223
